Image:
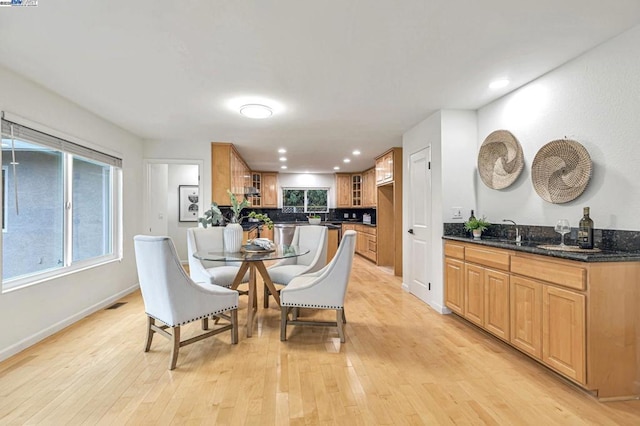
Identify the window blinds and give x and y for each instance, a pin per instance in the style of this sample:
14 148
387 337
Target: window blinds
27 134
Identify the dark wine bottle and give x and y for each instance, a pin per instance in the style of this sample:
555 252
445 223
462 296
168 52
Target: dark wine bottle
472 217
585 231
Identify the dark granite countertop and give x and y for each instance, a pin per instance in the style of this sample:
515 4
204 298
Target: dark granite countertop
328 224
533 247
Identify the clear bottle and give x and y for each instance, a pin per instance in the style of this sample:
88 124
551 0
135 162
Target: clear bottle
585 231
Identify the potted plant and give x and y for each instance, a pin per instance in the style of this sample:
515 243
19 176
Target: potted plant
212 217
314 219
476 226
233 231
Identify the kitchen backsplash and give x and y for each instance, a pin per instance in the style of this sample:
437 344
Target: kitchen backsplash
334 215
605 239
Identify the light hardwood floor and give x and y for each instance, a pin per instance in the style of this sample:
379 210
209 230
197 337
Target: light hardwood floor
402 364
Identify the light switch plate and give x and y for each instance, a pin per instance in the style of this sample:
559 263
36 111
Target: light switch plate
456 212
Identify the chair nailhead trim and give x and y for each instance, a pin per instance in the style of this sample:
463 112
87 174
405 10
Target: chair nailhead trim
219 311
303 305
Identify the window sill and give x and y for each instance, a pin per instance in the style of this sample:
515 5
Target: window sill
28 281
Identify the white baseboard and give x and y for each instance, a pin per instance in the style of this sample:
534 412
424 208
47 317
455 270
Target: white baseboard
43 334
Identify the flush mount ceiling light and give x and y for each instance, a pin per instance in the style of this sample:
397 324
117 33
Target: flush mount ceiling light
498 84
256 111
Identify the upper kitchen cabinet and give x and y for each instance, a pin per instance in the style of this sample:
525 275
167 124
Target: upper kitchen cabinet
228 171
343 190
267 185
369 192
386 168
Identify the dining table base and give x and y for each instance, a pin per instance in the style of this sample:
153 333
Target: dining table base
255 267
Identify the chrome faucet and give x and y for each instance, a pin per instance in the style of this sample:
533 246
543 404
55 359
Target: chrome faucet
518 238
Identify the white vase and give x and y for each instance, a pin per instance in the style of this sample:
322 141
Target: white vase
232 237
476 234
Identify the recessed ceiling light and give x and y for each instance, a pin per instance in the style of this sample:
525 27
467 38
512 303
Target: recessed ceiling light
336 168
282 150
283 158
498 84
256 111
347 160
283 167
356 152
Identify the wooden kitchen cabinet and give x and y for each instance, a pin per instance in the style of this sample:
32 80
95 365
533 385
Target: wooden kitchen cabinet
366 239
343 190
356 190
563 331
228 172
454 277
269 195
267 184
496 303
385 167
454 285
474 294
369 191
526 316
577 318
487 299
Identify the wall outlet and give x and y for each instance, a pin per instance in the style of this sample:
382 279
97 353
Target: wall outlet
353 215
456 212
346 215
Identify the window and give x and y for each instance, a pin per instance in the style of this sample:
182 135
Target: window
305 200
60 206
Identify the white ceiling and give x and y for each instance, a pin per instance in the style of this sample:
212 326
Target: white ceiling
349 74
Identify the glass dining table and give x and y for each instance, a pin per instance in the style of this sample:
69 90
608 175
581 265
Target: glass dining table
253 260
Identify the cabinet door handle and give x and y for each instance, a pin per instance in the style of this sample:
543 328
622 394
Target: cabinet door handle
410 231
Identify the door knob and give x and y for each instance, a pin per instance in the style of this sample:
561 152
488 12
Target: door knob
410 231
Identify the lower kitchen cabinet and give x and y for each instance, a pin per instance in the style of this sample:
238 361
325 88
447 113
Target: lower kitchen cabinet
526 316
496 303
563 331
454 285
366 239
577 318
474 294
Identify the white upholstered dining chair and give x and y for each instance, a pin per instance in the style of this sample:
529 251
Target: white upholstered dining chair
312 237
172 298
323 289
218 273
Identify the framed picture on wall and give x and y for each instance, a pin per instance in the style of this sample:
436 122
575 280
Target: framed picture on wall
188 203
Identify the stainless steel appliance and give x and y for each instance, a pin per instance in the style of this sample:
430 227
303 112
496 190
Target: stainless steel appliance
283 232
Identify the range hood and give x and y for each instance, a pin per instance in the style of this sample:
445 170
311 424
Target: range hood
251 191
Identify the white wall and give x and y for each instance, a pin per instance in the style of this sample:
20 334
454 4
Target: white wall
33 313
179 174
450 134
595 100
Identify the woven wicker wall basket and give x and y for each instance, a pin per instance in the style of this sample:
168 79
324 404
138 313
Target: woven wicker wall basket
561 171
500 160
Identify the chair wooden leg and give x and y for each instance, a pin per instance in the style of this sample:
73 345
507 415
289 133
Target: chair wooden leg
175 332
340 323
284 311
150 323
344 317
294 313
234 326
205 323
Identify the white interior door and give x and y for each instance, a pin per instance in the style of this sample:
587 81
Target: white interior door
420 223
157 188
